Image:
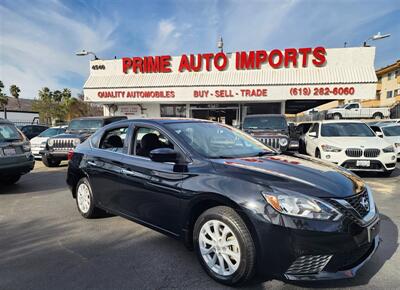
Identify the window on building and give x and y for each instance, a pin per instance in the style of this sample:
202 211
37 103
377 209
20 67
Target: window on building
173 111
379 79
389 94
390 75
397 73
397 92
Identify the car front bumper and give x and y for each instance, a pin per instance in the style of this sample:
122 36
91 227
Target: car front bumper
384 162
304 249
58 155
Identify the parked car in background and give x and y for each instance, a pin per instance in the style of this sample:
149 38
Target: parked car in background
384 122
390 133
58 147
356 111
243 207
350 144
270 129
16 157
31 131
301 129
38 143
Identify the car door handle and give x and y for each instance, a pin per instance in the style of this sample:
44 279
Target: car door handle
92 163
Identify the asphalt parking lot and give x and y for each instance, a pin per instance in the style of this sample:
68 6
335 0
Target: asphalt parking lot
46 244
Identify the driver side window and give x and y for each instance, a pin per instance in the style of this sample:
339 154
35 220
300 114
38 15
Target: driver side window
147 139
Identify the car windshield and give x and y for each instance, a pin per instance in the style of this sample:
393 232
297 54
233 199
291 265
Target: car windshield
391 131
346 130
214 140
79 125
265 122
9 133
51 132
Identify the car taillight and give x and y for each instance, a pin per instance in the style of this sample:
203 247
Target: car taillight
70 154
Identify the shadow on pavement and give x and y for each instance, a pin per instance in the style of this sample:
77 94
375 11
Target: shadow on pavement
50 180
389 244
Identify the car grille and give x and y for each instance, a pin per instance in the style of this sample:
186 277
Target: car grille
310 264
360 203
357 152
354 152
371 152
63 144
271 142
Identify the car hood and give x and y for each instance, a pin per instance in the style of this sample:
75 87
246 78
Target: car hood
38 140
355 142
296 172
392 139
81 137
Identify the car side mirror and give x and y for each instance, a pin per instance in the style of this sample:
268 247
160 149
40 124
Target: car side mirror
379 134
163 155
313 134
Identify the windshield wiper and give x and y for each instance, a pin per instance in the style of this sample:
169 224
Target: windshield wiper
263 153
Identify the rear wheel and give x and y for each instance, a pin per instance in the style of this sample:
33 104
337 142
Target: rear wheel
377 116
10 179
50 162
224 246
85 200
337 116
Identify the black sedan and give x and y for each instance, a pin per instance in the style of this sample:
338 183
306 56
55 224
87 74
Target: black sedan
243 207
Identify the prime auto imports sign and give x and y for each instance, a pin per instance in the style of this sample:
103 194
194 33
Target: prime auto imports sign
250 60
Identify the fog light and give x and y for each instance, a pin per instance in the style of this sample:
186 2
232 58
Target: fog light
393 157
328 156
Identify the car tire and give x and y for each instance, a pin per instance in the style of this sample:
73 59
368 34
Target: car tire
377 116
386 173
317 153
237 257
337 116
10 179
50 162
85 200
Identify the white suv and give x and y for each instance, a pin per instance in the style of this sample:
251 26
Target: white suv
350 144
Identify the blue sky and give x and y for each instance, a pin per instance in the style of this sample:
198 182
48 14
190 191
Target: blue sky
38 39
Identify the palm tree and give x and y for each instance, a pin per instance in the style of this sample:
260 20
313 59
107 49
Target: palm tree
3 98
14 91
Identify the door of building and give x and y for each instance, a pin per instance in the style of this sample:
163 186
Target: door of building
215 112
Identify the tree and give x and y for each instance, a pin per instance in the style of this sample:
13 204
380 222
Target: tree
14 91
3 97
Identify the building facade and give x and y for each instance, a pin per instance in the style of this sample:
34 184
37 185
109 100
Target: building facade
225 87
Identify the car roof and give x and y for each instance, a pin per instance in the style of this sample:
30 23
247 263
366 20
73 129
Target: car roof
156 121
4 121
265 115
339 121
100 118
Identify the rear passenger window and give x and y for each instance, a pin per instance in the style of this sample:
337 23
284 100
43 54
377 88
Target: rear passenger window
147 139
114 139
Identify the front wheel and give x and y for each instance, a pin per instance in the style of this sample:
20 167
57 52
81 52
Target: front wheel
224 246
50 162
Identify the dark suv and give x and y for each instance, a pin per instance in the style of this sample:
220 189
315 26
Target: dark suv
58 147
16 157
271 129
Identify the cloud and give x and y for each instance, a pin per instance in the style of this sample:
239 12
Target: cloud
166 39
37 46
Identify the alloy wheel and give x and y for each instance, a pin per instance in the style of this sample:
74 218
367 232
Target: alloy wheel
219 248
83 196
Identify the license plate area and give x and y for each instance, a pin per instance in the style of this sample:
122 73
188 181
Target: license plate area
363 163
9 151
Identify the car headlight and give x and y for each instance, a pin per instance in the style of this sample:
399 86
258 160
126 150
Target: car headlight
302 206
76 142
50 142
283 142
389 149
330 148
